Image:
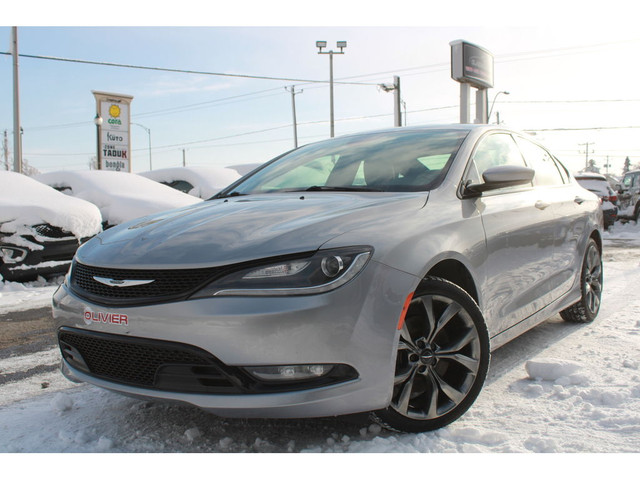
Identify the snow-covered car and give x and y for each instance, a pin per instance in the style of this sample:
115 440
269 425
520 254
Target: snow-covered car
245 168
629 196
40 228
368 273
120 196
598 184
200 181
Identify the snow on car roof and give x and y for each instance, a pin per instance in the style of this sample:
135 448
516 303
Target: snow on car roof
120 196
590 175
26 202
206 180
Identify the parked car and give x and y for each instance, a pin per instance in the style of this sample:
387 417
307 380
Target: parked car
40 229
120 196
368 273
200 181
629 196
598 184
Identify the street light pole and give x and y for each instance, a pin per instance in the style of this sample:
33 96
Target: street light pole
341 45
493 103
397 100
148 130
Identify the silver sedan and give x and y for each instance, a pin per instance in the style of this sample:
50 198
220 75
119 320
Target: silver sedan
368 273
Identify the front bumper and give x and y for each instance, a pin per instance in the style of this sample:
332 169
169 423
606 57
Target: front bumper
354 326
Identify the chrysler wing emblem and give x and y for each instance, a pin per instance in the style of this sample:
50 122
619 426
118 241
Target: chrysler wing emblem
112 282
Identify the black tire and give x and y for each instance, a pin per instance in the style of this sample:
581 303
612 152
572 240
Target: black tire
442 359
591 279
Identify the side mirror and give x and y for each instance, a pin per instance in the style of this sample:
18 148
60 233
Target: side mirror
500 177
619 188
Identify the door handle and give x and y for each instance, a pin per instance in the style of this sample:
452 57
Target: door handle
540 205
578 200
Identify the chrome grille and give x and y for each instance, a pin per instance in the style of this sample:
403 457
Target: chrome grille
167 284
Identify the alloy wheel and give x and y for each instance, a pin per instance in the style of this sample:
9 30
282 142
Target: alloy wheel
593 280
438 359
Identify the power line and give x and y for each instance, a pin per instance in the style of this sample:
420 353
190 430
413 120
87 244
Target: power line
177 70
578 129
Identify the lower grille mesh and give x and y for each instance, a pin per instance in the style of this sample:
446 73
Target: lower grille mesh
144 363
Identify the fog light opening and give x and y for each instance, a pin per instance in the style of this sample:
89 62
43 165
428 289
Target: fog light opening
12 254
286 373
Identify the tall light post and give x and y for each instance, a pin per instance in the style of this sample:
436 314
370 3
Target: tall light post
148 130
341 45
98 121
493 103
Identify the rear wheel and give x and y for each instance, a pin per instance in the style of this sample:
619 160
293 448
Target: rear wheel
591 277
441 362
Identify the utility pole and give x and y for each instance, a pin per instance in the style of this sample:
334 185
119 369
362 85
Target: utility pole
397 100
5 151
293 107
184 158
397 113
586 155
17 143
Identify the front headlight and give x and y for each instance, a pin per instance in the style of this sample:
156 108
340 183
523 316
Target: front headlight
324 271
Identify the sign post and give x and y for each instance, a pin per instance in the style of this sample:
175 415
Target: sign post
114 148
472 66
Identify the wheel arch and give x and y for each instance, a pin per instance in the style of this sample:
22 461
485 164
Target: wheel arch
455 272
598 239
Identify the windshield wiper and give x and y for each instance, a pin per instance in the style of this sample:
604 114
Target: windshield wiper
324 188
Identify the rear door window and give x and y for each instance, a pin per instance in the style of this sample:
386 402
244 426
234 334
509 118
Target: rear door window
547 170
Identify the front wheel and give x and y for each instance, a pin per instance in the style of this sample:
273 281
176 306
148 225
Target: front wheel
591 276
441 362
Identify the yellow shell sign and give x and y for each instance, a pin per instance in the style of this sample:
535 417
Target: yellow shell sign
114 111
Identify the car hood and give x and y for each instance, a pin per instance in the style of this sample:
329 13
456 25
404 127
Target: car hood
233 230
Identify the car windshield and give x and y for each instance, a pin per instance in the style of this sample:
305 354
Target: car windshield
395 161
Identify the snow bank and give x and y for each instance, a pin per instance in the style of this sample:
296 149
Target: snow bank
206 180
550 369
25 202
623 231
120 196
19 296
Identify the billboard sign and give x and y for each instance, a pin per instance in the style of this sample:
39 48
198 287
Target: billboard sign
114 132
471 64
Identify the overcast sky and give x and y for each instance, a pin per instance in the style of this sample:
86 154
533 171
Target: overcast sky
571 81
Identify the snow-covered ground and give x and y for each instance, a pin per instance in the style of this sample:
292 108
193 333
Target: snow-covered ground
559 388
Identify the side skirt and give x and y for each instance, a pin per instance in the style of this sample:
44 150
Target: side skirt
537 318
